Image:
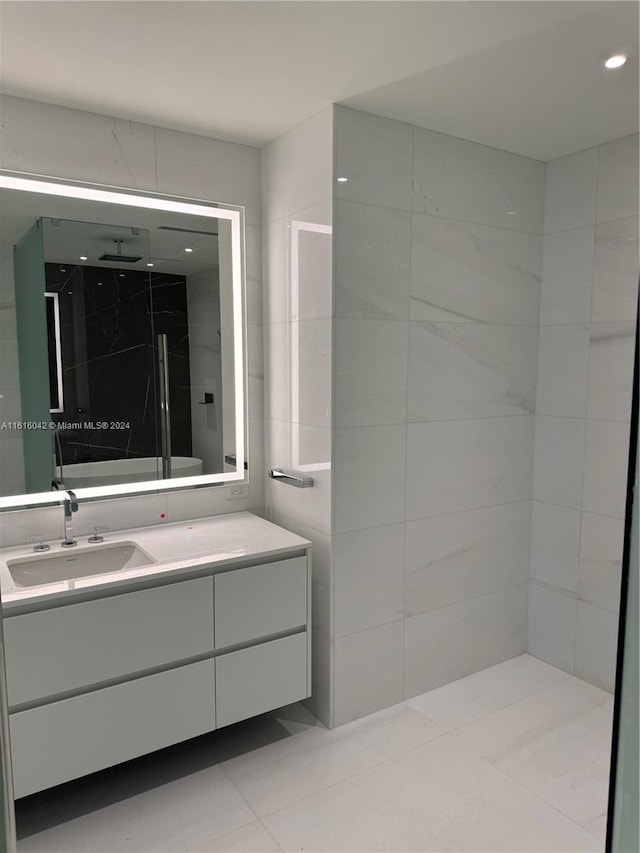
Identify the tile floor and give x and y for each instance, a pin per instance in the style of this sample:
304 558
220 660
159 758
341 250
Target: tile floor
512 758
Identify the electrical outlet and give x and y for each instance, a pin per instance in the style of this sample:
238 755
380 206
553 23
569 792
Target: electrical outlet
234 492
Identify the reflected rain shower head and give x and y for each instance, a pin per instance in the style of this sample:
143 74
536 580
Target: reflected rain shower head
119 257
126 259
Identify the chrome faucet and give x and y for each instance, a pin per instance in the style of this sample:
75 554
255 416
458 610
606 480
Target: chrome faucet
70 506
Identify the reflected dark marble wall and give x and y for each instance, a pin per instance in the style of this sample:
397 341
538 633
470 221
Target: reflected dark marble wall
110 320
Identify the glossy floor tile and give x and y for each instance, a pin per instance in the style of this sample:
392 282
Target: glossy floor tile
439 797
288 771
511 758
478 695
555 743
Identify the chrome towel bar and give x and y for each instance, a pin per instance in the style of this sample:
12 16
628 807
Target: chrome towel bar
290 479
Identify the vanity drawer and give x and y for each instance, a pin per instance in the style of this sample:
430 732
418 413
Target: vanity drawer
260 600
80 645
252 681
64 740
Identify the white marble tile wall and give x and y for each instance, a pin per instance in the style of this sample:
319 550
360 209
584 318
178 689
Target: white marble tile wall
51 140
438 247
297 193
585 372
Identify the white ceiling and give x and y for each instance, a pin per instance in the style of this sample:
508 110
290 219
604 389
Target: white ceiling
523 76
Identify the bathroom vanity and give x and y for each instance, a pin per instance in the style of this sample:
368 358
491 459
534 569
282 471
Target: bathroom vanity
201 624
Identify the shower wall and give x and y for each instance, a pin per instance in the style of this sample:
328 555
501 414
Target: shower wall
297 191
585 367
438 248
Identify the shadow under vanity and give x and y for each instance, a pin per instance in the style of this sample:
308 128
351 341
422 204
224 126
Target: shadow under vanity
214 629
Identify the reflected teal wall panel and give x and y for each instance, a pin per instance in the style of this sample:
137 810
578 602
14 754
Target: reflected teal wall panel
33 359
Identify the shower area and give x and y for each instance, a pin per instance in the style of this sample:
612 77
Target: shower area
480 346
473 318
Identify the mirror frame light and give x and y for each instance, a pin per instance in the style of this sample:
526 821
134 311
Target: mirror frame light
296 227
64 188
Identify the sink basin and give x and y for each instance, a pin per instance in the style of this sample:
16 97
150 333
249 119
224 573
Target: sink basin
78 563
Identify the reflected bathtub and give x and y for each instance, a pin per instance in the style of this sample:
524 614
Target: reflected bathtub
84 474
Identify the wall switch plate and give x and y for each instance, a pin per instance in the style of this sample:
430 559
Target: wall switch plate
240 491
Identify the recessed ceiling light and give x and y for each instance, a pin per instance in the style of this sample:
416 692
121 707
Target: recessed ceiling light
342 180
121 275
149 264
83 257
616 61
99 284
188 250
511 212
62 270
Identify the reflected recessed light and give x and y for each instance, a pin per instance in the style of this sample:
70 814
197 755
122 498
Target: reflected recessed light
511 212
70 292
121 275
62 270
83 257
99 284
149 265
188 250
615 61
342 180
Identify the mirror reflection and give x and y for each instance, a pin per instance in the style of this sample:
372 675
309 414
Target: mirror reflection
108 328
124 343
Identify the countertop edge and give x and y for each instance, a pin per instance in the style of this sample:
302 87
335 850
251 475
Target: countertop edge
21 600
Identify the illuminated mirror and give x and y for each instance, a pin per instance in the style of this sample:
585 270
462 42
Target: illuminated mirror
125 371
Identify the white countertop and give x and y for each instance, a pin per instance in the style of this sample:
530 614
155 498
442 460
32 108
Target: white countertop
179 548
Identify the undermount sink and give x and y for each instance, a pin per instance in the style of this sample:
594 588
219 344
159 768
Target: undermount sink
78 563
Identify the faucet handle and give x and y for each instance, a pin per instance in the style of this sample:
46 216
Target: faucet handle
39 538
97 529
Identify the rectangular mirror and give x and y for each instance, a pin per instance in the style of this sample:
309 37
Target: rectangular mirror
125 369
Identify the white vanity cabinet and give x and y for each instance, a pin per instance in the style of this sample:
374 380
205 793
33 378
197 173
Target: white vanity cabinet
101 680
63 740
63 649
